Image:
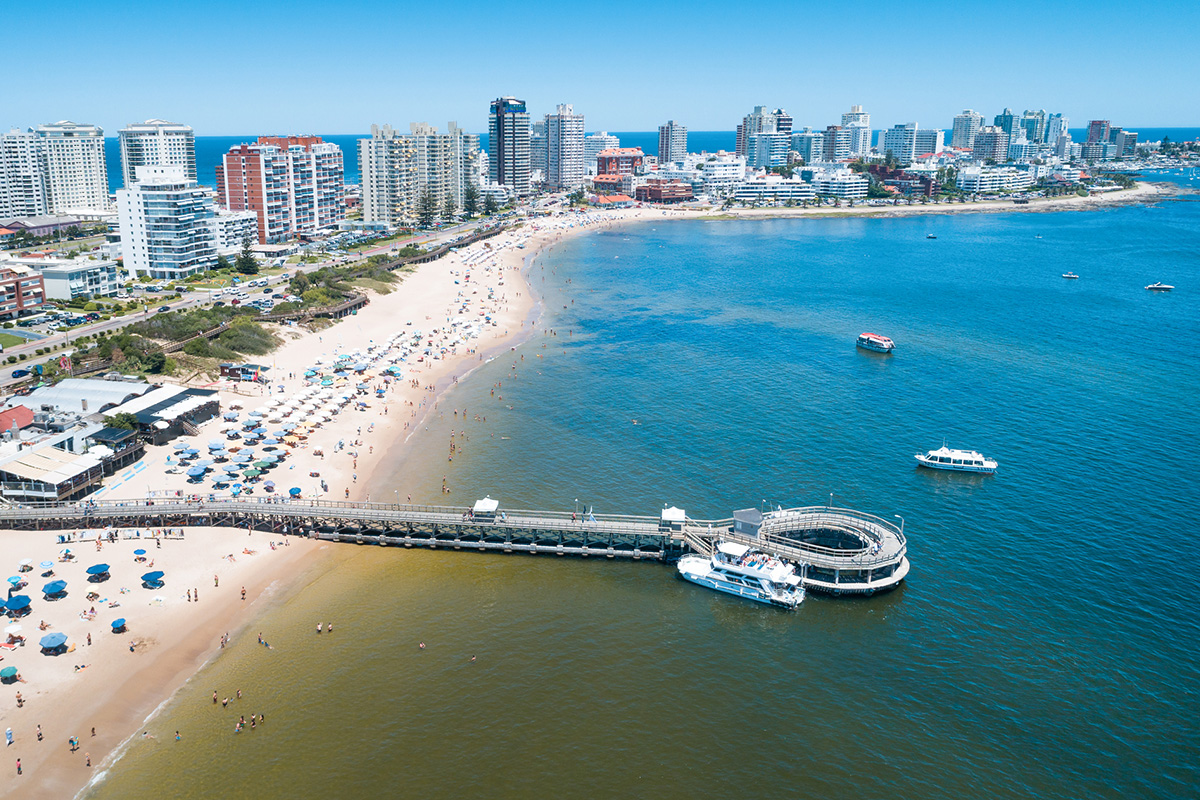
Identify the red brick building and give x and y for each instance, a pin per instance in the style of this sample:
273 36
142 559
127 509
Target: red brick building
21 289
659 191
607 184
619 161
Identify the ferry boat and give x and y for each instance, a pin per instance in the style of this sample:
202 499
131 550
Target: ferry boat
1071 276
1160 287
956 460
739 570
873 341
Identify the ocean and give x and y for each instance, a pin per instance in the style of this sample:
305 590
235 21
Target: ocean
1044 644
209 149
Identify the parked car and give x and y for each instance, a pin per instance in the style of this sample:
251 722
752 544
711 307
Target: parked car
218 304
234 301
161 309
20 373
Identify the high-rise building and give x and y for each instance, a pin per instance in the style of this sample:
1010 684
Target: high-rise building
966 125
858 122
836 143
672 142
508 144
929 141
23 190
165 224
809 144
901 141
1056 126
73 162
446 163
856 116
1034 125
760 120
1098 130
991 144
1126 142
593 144
565 167
768 149
1006 121
294 184
157 142
387 166
539 153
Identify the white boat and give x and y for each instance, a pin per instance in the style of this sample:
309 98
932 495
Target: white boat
1160 287
873 341
739 570
1071 276
956 460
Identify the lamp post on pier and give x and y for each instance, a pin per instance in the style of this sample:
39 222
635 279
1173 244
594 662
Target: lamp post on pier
897 516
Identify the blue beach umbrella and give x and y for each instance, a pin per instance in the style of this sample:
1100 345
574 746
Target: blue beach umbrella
14 580
294 491
54 587
181 446
326 382
47 565
230 468
308 373
288 426
196 472
97 569
216 444
260 431
191 451
256 414
230 415
279 433
19 602
341 373
243 458
139 552
269 484
53 640
270 459
118 624
269 442
360 366
203 462
153 577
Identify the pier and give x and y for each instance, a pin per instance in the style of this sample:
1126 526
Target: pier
844 551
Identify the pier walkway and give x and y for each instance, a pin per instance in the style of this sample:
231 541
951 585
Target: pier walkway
845 551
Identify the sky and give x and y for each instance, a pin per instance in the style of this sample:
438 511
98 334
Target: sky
252 67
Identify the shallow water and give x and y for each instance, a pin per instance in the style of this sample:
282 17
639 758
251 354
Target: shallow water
1044 643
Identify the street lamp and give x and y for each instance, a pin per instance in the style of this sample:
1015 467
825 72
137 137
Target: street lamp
897 516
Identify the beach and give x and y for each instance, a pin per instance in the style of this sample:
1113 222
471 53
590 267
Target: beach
174 637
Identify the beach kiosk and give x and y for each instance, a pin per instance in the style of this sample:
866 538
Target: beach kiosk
485 510
672 519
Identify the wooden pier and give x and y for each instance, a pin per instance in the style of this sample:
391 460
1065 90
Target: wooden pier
846 551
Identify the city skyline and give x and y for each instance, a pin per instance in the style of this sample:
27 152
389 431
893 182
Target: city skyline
705 95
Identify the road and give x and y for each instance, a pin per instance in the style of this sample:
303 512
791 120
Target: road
193 300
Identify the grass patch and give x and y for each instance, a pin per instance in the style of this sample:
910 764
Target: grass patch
381 287
8 340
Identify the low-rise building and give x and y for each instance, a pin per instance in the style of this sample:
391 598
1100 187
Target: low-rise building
21 290
984 180
844 184
660 191
619 161
68 278
230 230
771 188
166 411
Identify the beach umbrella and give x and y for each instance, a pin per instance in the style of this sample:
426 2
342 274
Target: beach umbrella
11 629
204 462
269 442
118 624
236 489
294 491
181 446
326 382
243 458
8 672
231 468
251 473
19 602
246 451
54 587
191 451
279 433
14 580
216 443
97 569
308 373
341 373
53 640
230 415
139 552
153 577
260 431
269 484
270 459
262 464
256 413
196 472
289 426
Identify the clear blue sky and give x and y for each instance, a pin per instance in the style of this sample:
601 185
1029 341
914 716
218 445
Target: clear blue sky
249 67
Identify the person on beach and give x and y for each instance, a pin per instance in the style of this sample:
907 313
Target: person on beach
18 766
243 592
39 733
319 627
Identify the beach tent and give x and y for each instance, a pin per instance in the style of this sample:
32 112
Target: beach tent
52 641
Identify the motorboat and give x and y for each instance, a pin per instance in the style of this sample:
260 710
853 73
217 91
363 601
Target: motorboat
1160 287
931 236
873 341
740 570
956 460
1071 276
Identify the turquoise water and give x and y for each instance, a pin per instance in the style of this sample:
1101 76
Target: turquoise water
1043 645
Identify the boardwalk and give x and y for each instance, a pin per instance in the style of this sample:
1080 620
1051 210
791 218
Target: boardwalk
846 551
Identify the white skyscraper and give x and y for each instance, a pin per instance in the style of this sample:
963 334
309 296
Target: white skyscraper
760 120
593 144
565 168
157 142
672 142
387 166
1056 126
901 141
966 125
858 122
72 158
166 229
22 180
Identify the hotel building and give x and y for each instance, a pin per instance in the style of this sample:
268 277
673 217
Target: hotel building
23 190
157 142
966 125
991 143
593 144
565 168
73 162
672 142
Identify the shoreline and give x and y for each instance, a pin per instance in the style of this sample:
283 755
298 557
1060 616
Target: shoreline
184 653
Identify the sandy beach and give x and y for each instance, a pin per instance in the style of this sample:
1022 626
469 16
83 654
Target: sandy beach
483 288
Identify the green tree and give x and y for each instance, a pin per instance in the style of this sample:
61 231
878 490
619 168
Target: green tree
123 420
155 362
246 263
489 205
448 209
426 209
470 200
222 263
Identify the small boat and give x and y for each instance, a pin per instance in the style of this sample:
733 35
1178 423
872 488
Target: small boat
873 341
1071 276
931 236
1160 287
739 570
956 460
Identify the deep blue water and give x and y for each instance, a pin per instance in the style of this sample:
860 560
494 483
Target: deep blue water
209 149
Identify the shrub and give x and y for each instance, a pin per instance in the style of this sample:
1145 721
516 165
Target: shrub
23 356
12 359
197 347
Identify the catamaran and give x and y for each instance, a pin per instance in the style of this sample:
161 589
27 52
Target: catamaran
739 570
